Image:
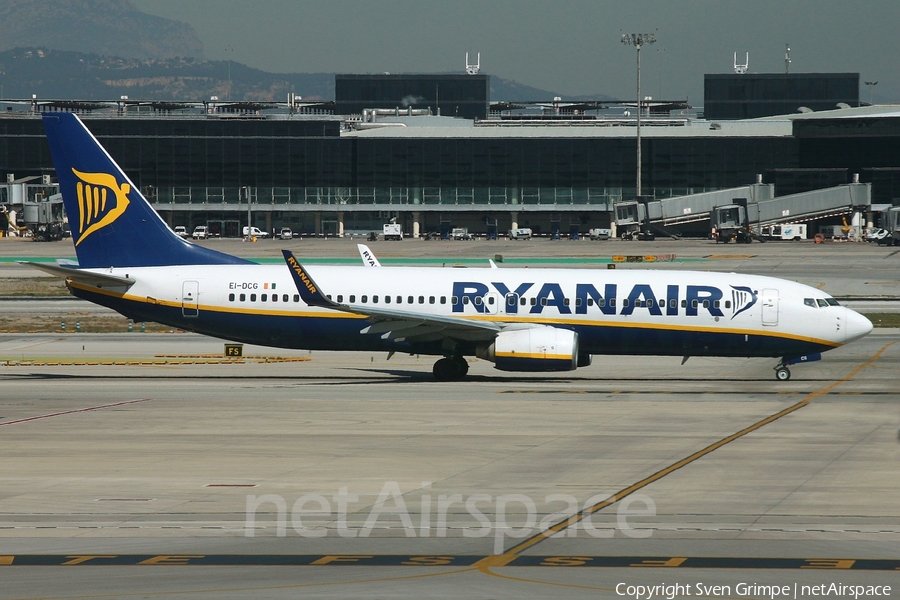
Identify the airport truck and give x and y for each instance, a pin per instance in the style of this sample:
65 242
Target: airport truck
393 231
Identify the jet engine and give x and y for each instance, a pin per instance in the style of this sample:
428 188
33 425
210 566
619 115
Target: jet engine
534 349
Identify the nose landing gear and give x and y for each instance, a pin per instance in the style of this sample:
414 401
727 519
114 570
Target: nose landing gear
782 373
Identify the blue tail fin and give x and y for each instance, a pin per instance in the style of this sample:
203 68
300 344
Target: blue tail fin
112 224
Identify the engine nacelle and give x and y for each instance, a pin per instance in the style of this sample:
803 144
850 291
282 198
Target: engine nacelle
534 349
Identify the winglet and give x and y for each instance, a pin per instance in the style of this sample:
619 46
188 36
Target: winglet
368 257
309 291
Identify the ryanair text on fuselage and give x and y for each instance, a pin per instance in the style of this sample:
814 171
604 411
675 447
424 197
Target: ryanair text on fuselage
688 300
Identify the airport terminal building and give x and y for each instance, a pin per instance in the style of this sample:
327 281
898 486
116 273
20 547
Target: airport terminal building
563 169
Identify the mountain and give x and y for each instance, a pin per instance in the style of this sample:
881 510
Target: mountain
66 75
103 27
105 49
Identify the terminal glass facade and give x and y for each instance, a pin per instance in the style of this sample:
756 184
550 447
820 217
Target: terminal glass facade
751 95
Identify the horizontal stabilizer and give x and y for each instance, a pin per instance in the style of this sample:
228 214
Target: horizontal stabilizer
81 276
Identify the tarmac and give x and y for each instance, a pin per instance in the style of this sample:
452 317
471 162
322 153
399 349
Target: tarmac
147 465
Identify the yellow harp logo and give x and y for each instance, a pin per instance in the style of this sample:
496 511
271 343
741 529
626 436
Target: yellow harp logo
93 191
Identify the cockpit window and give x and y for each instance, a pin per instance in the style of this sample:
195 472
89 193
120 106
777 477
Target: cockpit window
832 302
822 302
809 302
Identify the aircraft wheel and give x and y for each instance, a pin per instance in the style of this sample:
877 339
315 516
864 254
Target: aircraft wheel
782 374
461 367
450 369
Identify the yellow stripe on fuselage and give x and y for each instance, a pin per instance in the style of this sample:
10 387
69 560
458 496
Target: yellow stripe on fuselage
329 314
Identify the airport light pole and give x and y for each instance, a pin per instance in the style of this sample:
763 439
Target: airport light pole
638 40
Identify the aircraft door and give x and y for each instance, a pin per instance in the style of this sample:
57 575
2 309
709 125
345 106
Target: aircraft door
770 307
190 295
492 303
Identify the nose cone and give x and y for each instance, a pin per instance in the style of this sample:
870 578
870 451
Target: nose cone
855 325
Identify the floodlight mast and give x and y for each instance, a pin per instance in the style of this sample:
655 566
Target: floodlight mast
638 40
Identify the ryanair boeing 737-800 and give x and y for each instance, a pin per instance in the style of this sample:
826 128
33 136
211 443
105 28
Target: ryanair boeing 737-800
537 320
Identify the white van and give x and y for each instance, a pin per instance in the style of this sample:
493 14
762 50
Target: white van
255 232
519 234
200 232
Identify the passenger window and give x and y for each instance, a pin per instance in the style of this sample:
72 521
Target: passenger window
443 299
352 298
478 301
453 299
590 302
243 297
624 302
275 298
465 299
565 301
285 297
577 301
684 304
523 301
399 299
809 302
650 303
375 299
543 302
534 301
728 304
421 299
364 299
264 297
694 304
339 299
296 297
431 300
231 297
715 304
612 302
409 300
252 297
673 303
387 299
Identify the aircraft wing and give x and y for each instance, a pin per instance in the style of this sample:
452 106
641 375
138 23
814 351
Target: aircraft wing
81 276
392 323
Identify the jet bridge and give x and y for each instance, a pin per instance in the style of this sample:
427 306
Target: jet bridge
749 206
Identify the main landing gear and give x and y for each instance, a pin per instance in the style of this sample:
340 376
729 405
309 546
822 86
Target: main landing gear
451 368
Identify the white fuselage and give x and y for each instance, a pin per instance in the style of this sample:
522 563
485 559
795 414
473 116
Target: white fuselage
614 311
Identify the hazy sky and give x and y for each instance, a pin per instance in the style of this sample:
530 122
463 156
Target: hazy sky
568 46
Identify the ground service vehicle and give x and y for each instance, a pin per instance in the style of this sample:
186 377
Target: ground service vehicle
393 231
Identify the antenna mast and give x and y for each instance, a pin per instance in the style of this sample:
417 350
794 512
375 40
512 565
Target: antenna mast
741 69
473 69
